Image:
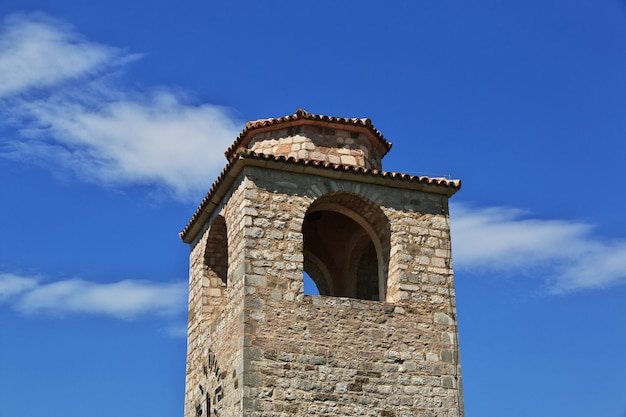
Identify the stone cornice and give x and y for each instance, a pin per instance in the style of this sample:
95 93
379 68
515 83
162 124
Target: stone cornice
245 158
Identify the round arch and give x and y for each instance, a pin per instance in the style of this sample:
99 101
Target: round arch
346 246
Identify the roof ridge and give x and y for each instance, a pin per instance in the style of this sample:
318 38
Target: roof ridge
303 115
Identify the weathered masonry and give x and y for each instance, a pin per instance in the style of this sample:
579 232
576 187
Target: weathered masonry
307 193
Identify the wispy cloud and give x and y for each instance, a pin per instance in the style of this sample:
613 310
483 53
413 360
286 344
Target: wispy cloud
565 255
123 299
58 93
38 52
12 285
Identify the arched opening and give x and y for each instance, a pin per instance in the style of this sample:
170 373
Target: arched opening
346 247
216 252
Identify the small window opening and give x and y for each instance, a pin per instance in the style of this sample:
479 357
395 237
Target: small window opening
216 253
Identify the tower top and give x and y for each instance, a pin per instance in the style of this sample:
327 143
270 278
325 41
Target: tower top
349 141
327 146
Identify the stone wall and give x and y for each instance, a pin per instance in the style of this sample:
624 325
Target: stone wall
216 330
346 357
334 145
273 351
338 356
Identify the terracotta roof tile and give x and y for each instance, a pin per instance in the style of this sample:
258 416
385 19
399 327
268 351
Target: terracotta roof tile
302 117
247 157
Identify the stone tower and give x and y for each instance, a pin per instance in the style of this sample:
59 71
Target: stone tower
307 193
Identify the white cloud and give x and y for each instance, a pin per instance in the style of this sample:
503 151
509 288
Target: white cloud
124 299
12 285
566 255
37 51
103 133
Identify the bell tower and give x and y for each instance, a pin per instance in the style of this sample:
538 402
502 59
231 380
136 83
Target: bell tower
307 194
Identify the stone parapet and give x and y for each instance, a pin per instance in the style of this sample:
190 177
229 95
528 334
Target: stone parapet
338 356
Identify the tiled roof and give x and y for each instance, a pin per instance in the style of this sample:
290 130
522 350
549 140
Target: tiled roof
247 157
299 118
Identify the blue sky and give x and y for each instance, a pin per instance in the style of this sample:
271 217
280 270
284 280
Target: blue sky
115 115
